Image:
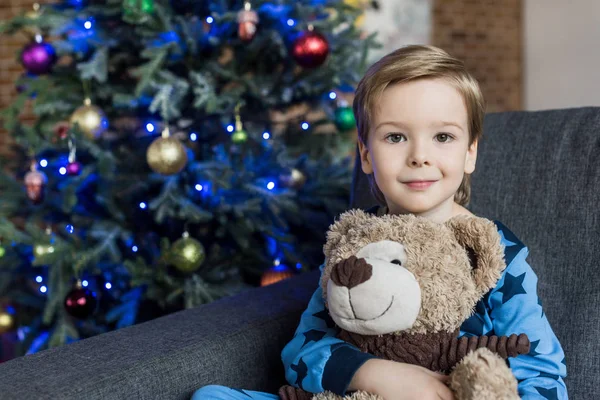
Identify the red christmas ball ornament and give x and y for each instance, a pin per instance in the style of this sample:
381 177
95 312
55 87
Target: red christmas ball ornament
80 302
310 49
247 21
61 129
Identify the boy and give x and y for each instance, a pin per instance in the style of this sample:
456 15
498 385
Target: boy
420 118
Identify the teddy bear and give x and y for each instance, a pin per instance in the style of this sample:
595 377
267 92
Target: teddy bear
400 286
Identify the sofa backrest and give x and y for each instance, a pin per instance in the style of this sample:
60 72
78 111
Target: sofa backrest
539 174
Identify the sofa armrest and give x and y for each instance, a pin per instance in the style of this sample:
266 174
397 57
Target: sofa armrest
235 341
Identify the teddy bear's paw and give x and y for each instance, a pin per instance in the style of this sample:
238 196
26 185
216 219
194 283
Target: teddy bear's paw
327 396
358 395
483 375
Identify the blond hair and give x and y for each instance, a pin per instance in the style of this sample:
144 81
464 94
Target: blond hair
411 63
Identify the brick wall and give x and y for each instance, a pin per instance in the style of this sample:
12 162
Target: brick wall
10 69
487 35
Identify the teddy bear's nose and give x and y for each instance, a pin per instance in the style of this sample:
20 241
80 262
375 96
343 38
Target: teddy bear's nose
351 272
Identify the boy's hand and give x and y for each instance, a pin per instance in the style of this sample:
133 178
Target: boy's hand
398 381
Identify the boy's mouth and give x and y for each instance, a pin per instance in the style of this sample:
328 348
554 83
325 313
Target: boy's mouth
419 185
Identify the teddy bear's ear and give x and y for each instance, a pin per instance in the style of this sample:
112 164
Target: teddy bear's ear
338 231
481 240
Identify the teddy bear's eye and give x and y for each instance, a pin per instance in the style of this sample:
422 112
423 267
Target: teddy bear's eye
396 261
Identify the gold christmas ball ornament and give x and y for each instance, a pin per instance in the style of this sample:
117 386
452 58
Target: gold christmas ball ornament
187 254
293 178
43 249
166 155
34 15
7 322
91 120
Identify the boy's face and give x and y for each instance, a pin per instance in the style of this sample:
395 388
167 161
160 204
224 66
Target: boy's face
418 146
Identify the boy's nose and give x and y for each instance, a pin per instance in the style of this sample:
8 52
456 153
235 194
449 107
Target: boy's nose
351 272
418 156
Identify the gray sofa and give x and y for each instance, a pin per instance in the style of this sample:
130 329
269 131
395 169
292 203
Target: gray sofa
538 173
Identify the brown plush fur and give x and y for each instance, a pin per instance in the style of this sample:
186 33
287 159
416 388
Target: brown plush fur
450 286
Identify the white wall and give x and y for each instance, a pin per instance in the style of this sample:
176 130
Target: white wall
561 53
399 23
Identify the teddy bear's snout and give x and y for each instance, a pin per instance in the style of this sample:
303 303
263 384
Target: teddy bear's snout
351 272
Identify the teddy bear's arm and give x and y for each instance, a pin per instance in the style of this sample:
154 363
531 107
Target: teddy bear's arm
504 346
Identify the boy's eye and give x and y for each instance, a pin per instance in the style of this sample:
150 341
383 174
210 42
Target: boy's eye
395 138
443 137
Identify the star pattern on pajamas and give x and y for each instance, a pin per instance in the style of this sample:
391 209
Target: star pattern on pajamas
513 286
301 371
312 336
549 394
534 345
512 244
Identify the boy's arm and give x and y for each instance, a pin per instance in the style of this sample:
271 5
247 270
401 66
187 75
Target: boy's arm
516 308
315 360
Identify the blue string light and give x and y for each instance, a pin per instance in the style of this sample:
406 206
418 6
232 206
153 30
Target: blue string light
332 95
298 266
150 127
210 20
87 25
39 279
108 285
143 205
266 135
305 125
62 171
43 289
84 283
271 185
43 163
193 137
69 228
291 22
134 249
198 187
230 128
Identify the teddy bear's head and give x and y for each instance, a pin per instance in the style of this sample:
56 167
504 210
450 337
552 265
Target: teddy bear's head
402 273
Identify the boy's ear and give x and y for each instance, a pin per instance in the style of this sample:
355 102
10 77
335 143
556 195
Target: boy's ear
471 158
365 158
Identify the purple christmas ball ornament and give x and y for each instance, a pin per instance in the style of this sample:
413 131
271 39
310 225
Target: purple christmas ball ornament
38 58
73 168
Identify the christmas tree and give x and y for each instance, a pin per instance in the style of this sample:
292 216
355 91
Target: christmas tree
181 151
